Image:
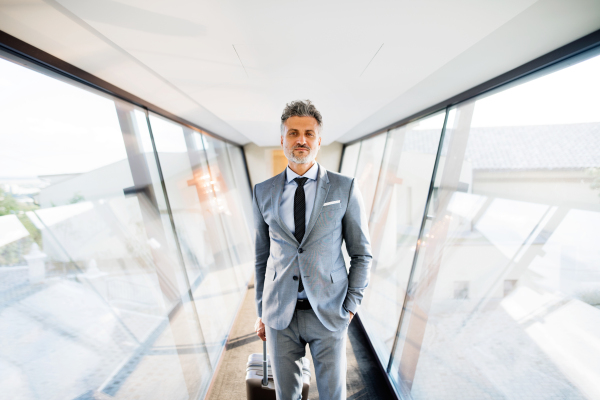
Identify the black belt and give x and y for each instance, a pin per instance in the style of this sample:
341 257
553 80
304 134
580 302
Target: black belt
303 304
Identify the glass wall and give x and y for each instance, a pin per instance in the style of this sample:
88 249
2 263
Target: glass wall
110 285
367 167
402 190
350 157
485 226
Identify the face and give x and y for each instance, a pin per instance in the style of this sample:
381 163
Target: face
301 140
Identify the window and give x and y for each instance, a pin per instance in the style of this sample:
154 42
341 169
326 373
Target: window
513 234
106 278
367 168
350 157
395 223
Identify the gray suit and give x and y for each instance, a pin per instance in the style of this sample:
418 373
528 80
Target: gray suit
338 214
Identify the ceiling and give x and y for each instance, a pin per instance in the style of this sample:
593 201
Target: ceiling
230 66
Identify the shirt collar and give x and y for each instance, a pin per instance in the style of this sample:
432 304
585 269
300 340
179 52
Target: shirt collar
310 174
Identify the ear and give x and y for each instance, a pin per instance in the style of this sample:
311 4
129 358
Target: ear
282 140
319 140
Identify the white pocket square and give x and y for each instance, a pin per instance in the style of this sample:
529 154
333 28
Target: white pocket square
331 202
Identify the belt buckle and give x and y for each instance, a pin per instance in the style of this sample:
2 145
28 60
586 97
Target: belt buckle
302 304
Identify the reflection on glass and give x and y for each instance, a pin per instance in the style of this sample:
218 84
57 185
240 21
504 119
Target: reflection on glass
238 163
229 199
197 208
394 225
506 296
95 301
368 166
82 304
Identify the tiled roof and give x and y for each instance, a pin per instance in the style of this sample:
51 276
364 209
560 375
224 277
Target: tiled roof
543 147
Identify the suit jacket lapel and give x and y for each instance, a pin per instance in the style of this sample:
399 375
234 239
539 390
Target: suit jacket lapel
322 191
276 192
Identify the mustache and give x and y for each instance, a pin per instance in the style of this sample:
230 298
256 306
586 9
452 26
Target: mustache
301 147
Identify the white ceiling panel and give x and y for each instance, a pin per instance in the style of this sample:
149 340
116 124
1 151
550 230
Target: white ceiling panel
322 60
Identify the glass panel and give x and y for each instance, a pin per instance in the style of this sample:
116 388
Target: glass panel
506 301
230 208
92 300
396 218
350 157
242 186
216 289
367 168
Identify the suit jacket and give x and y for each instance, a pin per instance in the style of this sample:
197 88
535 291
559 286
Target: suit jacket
338 213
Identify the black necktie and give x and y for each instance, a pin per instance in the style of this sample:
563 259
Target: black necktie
300 216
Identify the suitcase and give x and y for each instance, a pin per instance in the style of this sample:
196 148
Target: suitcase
259 388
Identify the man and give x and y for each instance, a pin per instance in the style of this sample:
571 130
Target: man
303 292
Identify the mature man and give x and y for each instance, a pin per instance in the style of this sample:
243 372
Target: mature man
303 292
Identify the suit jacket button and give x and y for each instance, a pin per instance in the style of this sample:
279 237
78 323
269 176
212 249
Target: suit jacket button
300 250
295 278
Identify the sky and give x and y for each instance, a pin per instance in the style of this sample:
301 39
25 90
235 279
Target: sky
568 96
50 127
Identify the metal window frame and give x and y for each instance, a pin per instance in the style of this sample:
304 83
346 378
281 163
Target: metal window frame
577 50
28 56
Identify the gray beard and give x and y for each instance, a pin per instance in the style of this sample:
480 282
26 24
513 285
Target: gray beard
300 160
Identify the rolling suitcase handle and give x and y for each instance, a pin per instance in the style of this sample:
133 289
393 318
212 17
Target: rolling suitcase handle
265 380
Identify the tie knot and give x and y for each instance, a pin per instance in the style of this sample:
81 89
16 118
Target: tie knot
300 181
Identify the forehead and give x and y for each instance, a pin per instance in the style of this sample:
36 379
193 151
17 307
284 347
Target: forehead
302 123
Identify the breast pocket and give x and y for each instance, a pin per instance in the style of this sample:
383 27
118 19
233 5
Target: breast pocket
331 206
329 218
330 213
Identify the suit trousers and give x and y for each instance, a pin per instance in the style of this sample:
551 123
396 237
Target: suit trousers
328 350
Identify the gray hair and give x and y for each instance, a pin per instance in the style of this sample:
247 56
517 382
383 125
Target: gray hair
299 108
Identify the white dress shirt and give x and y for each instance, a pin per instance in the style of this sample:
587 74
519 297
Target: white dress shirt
286 206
